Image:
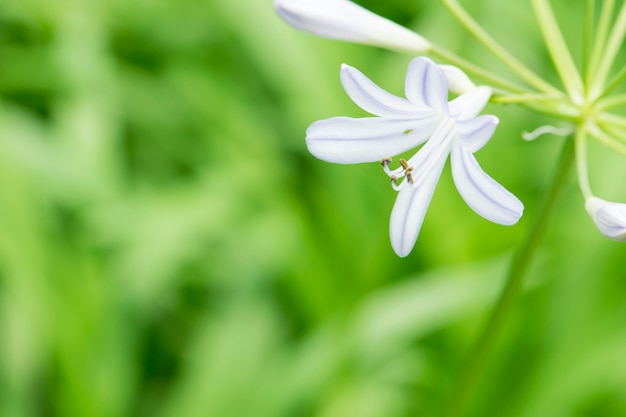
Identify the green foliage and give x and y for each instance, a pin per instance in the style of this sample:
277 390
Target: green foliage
169 248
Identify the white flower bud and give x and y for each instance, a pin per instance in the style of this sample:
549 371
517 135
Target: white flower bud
347 21
458 81
610 218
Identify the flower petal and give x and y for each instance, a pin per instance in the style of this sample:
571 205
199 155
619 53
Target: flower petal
410 208
469 104
373 99
347 140
426 84
458 81
481 192
476 132
347 21
610 218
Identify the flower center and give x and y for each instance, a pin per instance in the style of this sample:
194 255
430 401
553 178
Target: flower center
433 154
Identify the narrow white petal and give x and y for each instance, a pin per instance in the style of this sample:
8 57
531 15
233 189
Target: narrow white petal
458 81
481 192
471 103
436 150
373 99
476 132
347 140
610 218
347 21
413 199
409 210
426 84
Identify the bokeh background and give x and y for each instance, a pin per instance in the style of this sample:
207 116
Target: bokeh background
169 248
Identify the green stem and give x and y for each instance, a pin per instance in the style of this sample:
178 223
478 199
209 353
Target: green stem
522 98
539 103
613 46
613 130
477 71
600 40
613 119
611 102
600 132
587 37
581 162
519 265
559 52
556 108
615 82
514 64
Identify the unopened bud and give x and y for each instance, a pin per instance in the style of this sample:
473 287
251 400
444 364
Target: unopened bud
347 21
458 81
610 218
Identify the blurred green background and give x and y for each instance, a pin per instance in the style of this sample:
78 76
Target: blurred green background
169 248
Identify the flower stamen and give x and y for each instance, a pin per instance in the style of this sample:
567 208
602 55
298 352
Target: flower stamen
395 185
409 175
396 173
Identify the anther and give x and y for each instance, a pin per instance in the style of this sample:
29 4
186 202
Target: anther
409 174
385 161
404 164
394 184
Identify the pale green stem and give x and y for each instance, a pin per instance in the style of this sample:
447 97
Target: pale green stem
557 109
518 67
611 102
587 37
514 283
522 98
600 133
613 130
600 41
613 46
540 103
558 50
612 119
477 71
581 162
615 82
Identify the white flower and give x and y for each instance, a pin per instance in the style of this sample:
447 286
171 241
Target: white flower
347 21
610 218
424 117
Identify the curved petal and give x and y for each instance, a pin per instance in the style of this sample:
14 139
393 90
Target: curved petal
347 21
476 132
610 218
481 192
373 99
458 81
347 140
469 104
426 84
409 210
